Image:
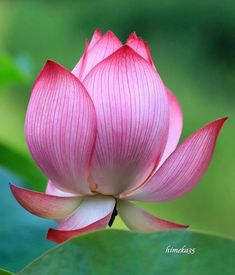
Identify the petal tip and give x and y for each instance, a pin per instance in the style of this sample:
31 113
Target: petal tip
132 36
60 236
15 189
222 120
111 35
218 124
55 236
126 50
51 65
98 31
182 226
50 69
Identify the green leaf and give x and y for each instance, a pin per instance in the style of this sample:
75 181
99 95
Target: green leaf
22 235
121 252
5 272
23 166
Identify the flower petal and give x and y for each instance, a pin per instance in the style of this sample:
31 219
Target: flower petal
176 118
78 70
59 236
132 118
141 47
104 47
61 128
92 209
51 189
43 205
95 38
139 220
175 126
184 167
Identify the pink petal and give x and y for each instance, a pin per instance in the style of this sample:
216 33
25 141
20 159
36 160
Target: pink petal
175 126
92 209
132 36
43 205
108 44
95 38
78 70
132 111
59 236
139 220
61 128
184 167
51 189
141 47
176 119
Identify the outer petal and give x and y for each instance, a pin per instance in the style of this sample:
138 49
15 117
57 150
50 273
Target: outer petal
61 128
51 189
82 62
139 220
104 47
92 209
59 236
184 167
141 47
132 116
43 205
175 126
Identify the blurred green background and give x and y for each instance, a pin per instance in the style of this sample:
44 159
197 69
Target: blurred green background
193 46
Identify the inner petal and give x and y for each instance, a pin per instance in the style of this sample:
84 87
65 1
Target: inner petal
132 120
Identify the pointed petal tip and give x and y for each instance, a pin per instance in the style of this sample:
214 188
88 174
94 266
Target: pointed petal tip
51 65
16 190
221 121
60 236
109 32
218 124
180 226
163 223
54 67
100 47
133 35
141 47
51 68
126 50
112 35
56 236
98 31
13 189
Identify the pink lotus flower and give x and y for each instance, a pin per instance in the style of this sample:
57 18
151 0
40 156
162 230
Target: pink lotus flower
105 135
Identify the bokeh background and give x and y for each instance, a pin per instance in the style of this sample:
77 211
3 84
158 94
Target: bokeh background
193 46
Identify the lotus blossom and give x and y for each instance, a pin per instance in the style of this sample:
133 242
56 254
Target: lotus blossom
106 134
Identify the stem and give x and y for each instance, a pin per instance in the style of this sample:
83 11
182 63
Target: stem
114 214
